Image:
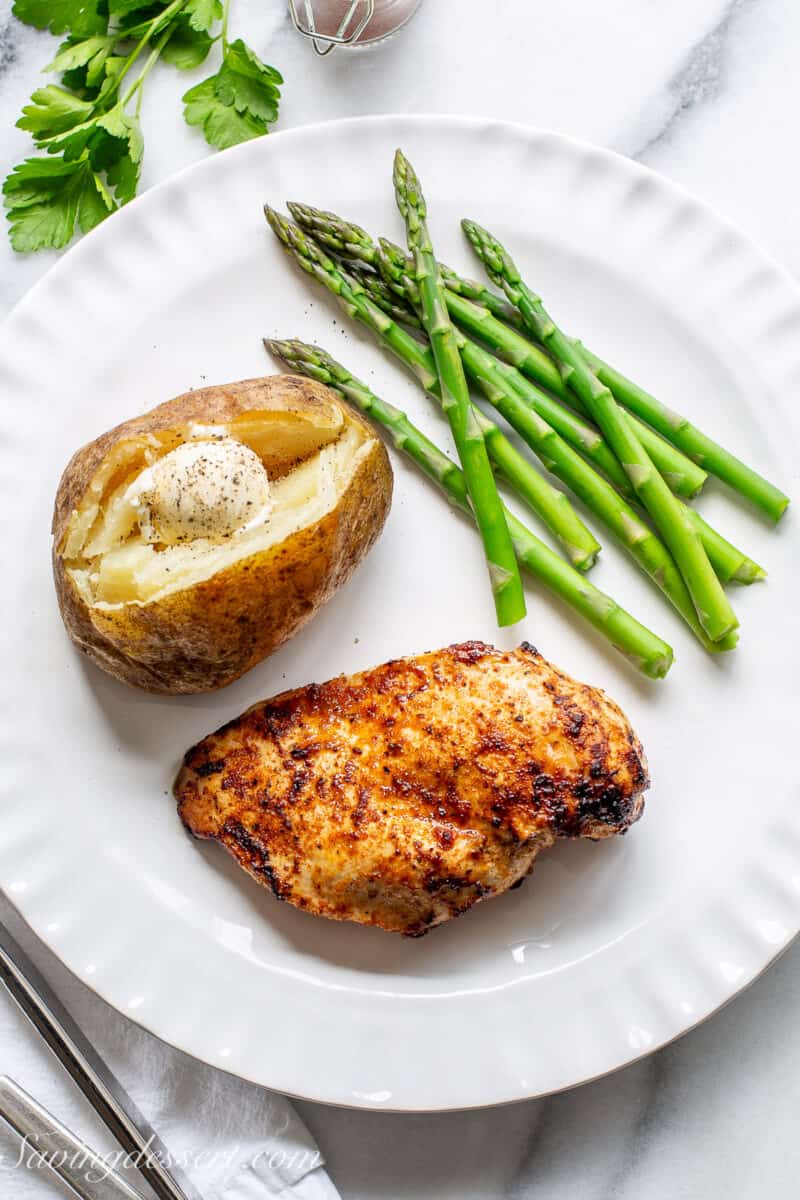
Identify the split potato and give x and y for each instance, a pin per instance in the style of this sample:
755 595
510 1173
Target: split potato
191 542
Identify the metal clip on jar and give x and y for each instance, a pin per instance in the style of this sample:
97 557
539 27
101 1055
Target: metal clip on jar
331 23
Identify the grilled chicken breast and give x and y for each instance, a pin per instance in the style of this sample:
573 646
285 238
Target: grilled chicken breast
401 796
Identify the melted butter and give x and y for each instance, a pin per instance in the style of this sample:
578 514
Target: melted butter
207 488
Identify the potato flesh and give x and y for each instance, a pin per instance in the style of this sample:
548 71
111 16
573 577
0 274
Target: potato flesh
116 566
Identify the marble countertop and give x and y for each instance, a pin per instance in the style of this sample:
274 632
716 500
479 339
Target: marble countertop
707 92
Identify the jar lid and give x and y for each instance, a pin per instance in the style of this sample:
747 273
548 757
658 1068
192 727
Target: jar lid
318 21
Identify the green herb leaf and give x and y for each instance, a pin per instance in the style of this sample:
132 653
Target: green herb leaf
53 110
124 8
123 138
187 47
117 148
222 125
79 17
82 53
94 147
203 13
123 176
71 142
240 102
104 139
140 19
46 198
114 67
94 204
248 84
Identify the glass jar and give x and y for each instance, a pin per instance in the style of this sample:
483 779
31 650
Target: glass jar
332 23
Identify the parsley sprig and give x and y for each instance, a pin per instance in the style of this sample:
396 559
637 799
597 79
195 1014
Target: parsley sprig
88 125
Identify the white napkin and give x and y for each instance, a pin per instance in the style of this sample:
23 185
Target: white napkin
234 1140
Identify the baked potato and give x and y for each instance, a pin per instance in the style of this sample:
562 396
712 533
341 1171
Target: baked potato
191 542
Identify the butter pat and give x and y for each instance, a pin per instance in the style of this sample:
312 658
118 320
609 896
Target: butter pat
205 488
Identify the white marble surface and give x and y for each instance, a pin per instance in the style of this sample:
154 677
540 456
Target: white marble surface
708 92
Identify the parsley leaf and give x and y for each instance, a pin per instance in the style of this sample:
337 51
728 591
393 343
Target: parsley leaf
203 13
123 177
123 8
222 125
118 137
91 53
80 17
187 47
47 198
110 142
71 142
53 110
94 147
248 84
240 102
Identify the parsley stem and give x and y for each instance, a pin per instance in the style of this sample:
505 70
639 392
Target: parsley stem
167 13
132 57
148 66
225 14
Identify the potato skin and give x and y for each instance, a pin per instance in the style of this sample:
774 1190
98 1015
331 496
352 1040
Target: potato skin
207 636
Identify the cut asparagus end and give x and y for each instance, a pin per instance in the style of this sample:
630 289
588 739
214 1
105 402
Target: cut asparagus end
581 559
749 572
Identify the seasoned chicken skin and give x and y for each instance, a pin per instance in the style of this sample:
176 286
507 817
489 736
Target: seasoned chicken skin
402 796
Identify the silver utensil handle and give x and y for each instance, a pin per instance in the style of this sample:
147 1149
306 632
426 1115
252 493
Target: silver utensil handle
59 1149
99 1085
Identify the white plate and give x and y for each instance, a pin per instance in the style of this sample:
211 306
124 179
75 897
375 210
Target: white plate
609 950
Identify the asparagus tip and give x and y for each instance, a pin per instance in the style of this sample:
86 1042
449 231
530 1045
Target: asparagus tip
282 347
277 223
407 186
475 232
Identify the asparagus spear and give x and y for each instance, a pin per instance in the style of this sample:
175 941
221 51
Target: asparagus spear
648 652
598 495
642 544
351 242
672 426
554 508
694 443
356 303
730 563
471 289
385 297
344 238
348 240
713 608
675 428
470 444
684 477
703 450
